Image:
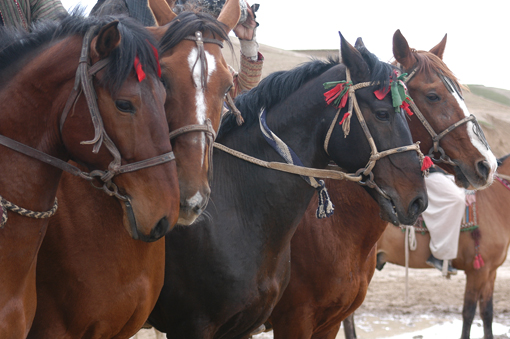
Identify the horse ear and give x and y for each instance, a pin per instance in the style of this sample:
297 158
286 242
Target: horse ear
401 51
230 14
353 60
359 43
107 40
162 11
438 50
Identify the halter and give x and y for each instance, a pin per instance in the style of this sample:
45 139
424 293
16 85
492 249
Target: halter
437 137
83 83
207 127
309 174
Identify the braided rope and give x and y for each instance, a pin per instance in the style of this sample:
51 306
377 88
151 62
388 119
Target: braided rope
7 205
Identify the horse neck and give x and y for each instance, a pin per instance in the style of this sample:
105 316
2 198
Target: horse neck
269 201
356 217
33 101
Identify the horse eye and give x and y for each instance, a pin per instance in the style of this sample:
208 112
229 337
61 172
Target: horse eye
125 106
382 115
433 97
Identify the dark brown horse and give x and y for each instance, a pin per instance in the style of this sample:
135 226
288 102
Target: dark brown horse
224 275
37 75
492 217
93 280
333 260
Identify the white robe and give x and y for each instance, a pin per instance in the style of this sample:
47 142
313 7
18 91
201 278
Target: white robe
443 216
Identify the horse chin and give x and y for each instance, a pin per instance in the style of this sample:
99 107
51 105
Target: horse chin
187 217
388 212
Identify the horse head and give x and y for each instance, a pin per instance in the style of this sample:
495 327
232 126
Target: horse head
460 146
130 128
197 78
401 191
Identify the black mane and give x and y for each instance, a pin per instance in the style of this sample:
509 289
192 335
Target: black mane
380 71
273 89
17 45
187 23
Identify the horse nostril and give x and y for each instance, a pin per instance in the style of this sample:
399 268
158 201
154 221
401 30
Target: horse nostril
160 229
483 168
417 206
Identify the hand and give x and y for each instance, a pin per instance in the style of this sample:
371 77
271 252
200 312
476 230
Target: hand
246 30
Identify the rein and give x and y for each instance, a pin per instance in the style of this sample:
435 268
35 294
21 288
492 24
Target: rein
83 83
437 137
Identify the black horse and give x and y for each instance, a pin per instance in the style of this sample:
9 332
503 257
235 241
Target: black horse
225 273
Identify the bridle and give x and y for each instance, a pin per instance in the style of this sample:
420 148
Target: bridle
83 83
363 176
437 137
206 128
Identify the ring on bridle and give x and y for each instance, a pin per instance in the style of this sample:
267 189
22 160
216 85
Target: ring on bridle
83 83
437 137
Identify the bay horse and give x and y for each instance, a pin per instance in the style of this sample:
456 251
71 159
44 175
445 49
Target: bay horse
44 111
492 217
333 260
105 286
225 274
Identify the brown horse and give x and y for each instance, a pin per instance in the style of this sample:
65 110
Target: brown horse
492 216
105 286
333 259
37 73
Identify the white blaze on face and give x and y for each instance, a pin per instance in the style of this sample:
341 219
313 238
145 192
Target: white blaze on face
200 102
475 140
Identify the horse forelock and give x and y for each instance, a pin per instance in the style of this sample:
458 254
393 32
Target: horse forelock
274 89
187 23
430 64
380 72
16 44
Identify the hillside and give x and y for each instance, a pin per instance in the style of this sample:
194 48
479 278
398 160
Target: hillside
490 105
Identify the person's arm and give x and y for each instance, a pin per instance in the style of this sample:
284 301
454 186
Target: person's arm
250 70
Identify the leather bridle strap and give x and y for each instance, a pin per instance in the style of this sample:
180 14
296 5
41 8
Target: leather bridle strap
437 137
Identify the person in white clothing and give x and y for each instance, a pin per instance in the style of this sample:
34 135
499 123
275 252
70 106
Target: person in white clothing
443 217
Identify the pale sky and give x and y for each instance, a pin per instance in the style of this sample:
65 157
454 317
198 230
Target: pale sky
477 51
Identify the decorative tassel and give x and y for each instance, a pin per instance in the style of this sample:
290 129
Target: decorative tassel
426 164
480 260
138 69
346 123
381 93
326 207
405 106
476 263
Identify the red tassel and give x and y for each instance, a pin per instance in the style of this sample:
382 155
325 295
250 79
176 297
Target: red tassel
345 117
138 69
381 93
427 162
476 263
480 260
333 93
156 55
406 108
344 99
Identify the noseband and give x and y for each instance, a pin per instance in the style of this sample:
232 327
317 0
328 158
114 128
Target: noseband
437 137
83 83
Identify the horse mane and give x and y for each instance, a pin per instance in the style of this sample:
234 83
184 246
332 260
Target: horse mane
16 45
380 72
187 23
273 89
429 63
